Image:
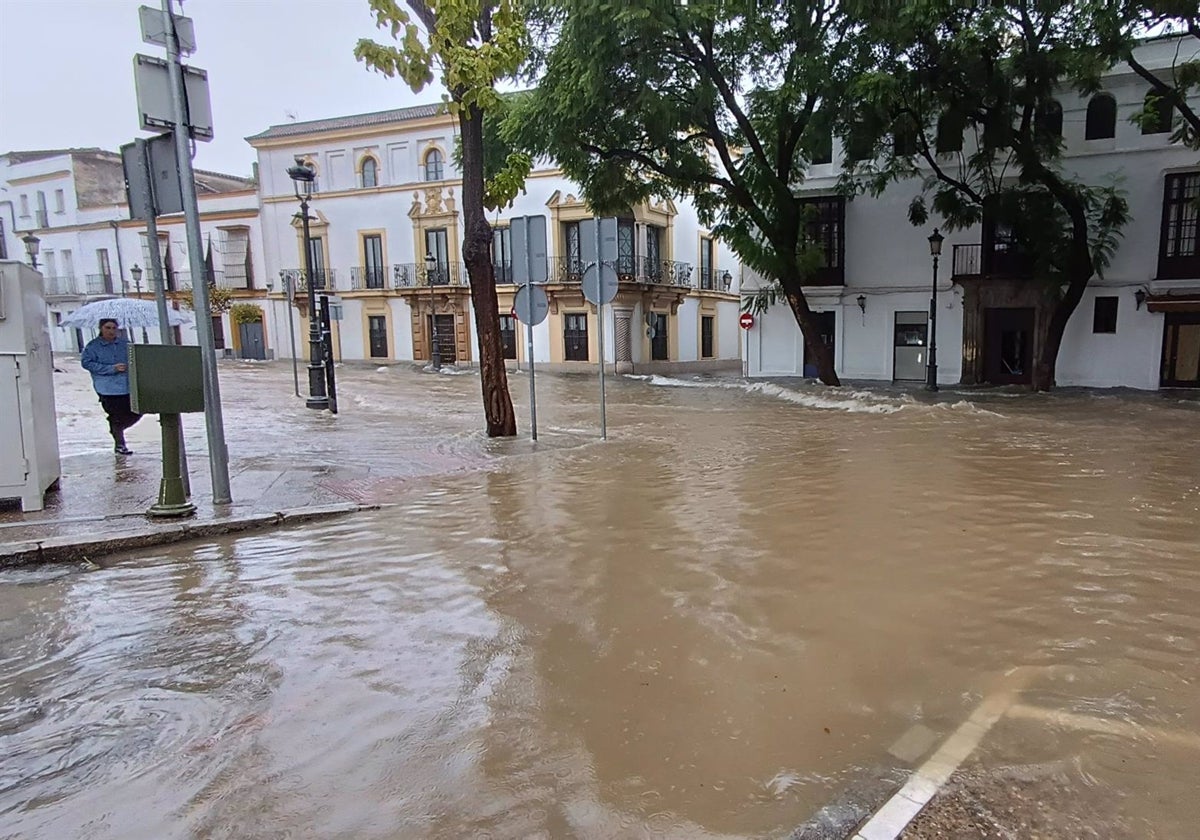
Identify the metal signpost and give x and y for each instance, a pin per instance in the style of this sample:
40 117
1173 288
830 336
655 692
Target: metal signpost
327 353
530 267
181 104
288 291
746 321
600 287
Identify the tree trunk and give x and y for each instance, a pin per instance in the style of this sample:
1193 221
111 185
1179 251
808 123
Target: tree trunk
812 338
477 253
1047 362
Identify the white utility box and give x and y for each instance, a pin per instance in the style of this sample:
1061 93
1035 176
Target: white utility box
29 459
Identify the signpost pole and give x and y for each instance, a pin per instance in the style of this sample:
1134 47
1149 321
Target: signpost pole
529 333
327 352
600 334
218 456
172 499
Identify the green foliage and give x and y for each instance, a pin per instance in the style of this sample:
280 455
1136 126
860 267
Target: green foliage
725 103
468 45
245 313
219 299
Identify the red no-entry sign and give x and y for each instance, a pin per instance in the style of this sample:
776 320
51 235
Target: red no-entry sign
746 321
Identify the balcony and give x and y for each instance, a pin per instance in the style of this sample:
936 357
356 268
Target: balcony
629 270
227 279
412 275
99 284
966 260
714 280
60 287
326 280
368 277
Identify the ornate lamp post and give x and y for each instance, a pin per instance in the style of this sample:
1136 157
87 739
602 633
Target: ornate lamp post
935 251
303 176
136 274
32 246
435 351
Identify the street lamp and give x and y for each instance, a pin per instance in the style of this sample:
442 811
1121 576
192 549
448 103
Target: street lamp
136 273
32 246
303 176
935 251
435 351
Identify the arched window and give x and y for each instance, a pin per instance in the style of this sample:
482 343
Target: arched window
1160 113
1101 117
370 172
433 165
1049 120
950 130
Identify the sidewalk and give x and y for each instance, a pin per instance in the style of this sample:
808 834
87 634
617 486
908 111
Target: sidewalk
283 459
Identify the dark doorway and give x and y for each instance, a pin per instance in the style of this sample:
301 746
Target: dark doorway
1181 350
827 332
250 337
659 347
377 329
1008 346
575 337
508 336
447 349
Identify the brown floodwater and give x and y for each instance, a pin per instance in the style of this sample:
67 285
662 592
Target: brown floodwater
710 625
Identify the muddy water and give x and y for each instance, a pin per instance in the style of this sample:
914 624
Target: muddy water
710 626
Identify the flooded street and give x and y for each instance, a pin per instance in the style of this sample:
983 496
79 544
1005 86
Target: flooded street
708 626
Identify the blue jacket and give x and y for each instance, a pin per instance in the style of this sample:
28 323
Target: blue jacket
99 358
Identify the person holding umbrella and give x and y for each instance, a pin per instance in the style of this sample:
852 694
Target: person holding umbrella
106 358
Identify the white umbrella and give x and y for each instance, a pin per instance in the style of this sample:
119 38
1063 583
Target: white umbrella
128 313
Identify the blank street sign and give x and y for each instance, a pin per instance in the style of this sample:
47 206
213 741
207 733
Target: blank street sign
541 305
152 81
154 29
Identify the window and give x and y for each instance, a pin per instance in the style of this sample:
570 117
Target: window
706 336
574 258
370 172
24 207
105 269
60 202
1049 120
43 218
819 133
654 258
3 242
502 254
950 130
235 251
658 342
508 336
1101 117
575 337
1159 116
824 231
1104 318
707 281
377 336
625 255
373 261
1179 251
218 330
68 261
437 244
433 165
904 138
316 250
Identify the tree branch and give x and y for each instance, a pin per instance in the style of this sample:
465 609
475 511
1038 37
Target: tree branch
1170 93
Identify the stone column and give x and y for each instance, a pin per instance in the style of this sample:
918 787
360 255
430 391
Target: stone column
623 352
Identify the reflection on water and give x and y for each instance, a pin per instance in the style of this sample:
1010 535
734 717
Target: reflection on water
708 626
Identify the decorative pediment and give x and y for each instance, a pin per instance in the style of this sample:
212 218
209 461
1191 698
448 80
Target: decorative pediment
439 201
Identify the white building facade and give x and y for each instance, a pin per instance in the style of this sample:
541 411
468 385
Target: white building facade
73 201
1138 326
386 235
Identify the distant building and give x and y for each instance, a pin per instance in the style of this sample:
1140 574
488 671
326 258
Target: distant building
1138 326
387 197
73 200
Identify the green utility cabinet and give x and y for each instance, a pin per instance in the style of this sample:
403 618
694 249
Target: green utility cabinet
165 379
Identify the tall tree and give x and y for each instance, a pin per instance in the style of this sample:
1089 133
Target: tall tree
723 102
474 43
992 70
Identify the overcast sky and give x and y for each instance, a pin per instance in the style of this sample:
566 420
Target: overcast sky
66 70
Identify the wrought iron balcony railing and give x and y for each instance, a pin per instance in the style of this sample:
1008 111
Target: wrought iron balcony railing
966 259
61 286
325 279
714 280
368 277
99 284
629 270
412 275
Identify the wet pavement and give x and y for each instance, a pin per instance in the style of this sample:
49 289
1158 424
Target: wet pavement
753 601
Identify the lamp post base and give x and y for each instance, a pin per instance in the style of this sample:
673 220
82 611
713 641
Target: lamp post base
172 496
317 403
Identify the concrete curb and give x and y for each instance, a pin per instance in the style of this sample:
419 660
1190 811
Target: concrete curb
72 549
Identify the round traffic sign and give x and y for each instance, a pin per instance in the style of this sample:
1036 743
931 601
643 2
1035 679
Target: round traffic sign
746 321
602 288
541 304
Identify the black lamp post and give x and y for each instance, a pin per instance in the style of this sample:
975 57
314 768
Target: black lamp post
935 251
303 176
32 246
136 274
435 352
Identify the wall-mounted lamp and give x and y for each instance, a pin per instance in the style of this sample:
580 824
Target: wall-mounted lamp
1139 297
862 303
